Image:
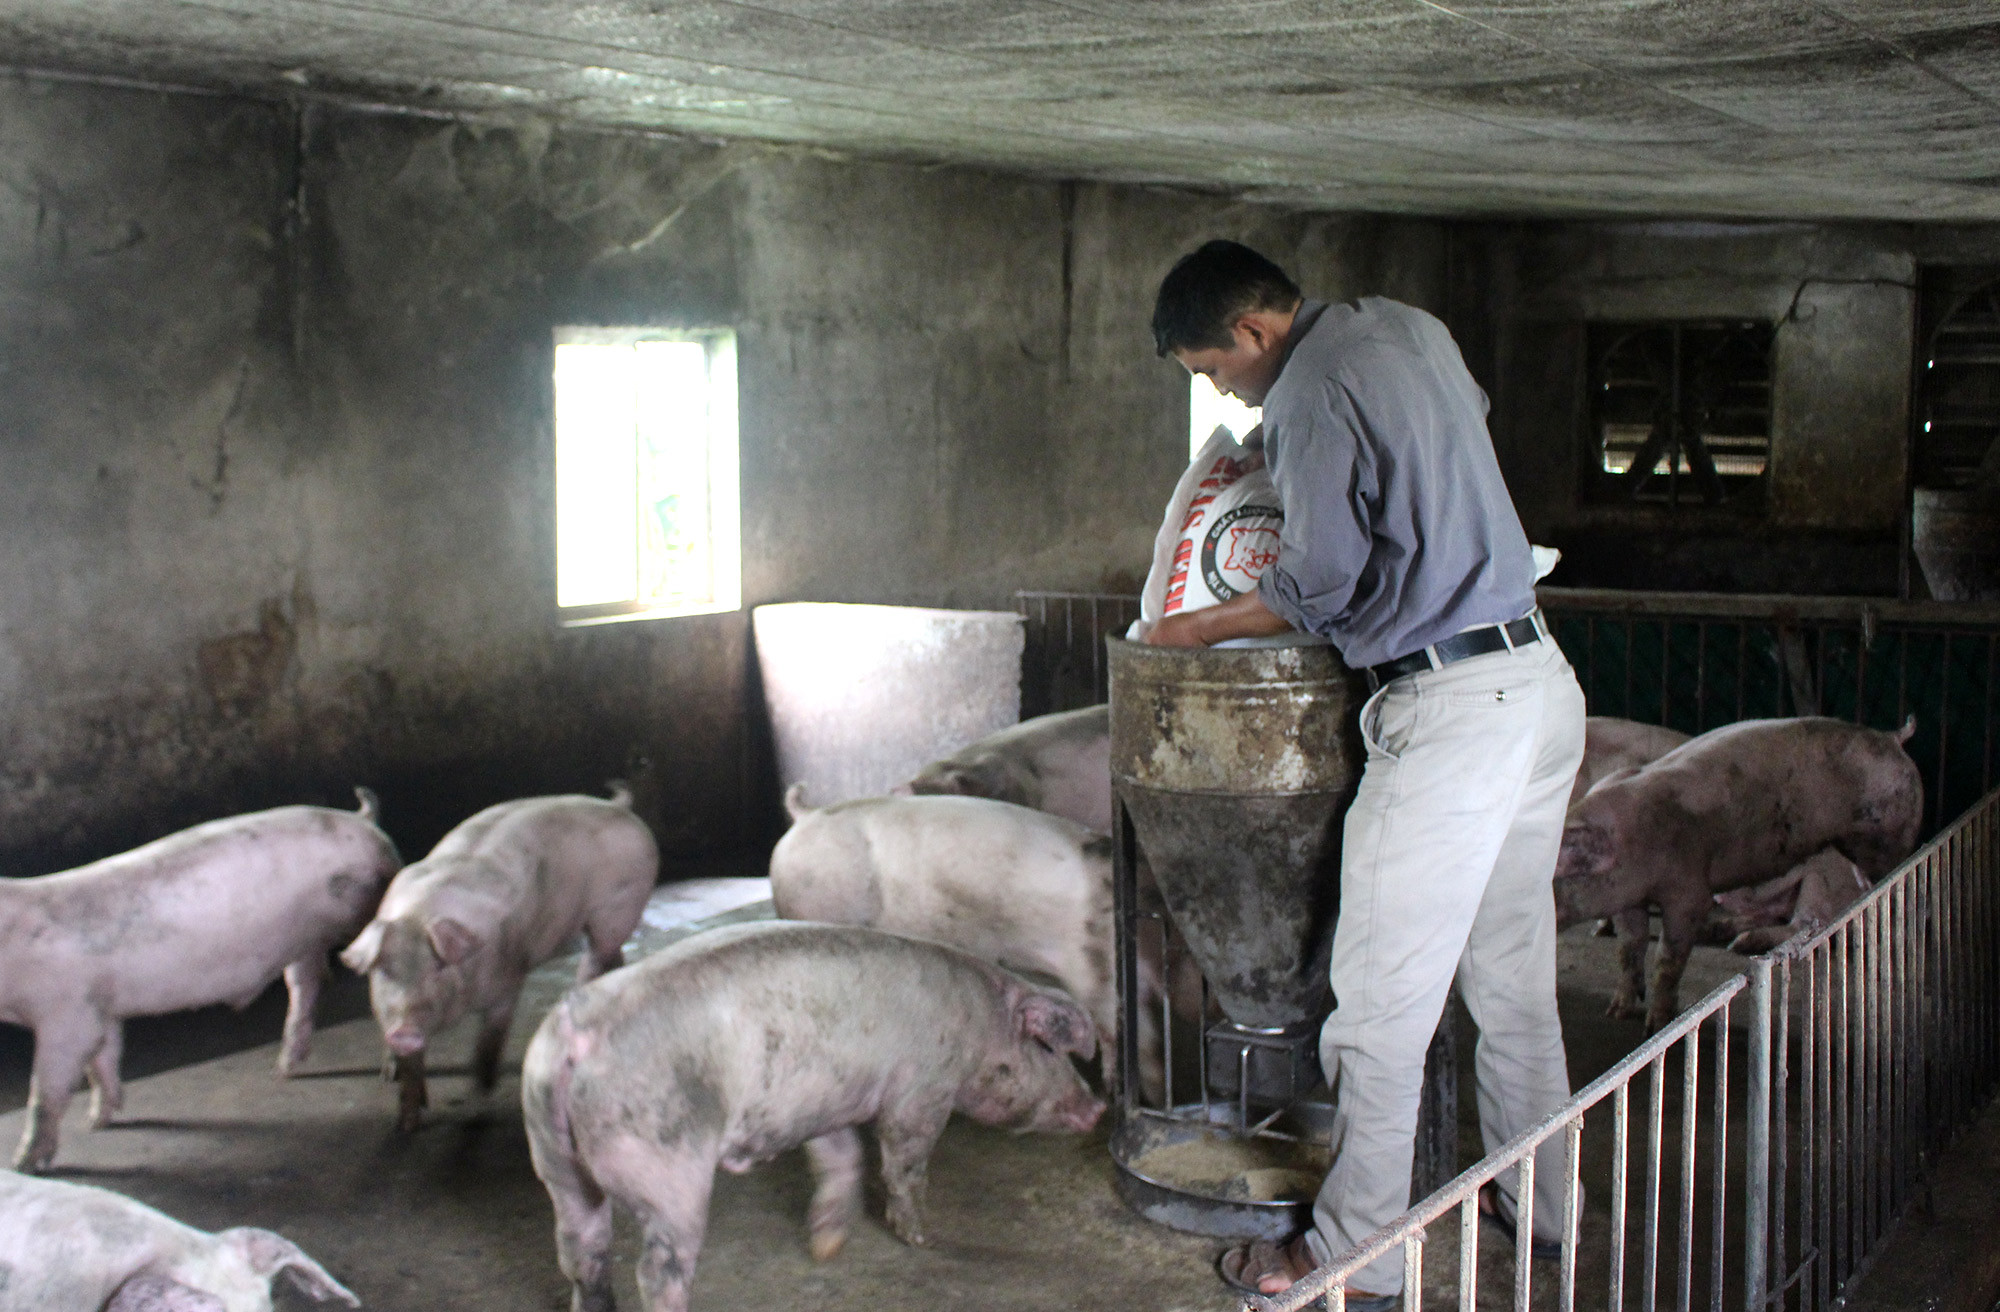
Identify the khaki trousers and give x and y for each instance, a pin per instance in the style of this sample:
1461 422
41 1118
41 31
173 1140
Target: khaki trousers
1446 863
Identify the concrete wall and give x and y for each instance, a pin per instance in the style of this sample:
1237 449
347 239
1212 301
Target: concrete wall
1843 302
277 514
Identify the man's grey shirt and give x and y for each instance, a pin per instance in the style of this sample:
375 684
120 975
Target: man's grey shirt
1398 528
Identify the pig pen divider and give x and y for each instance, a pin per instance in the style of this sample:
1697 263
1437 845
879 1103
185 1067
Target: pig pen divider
1689 660
1868 1046
1062 662
1696 661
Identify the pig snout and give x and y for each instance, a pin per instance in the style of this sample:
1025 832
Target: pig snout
404 1040
1079 1112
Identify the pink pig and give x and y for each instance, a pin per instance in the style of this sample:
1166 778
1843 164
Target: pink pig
211 914
737 1044
500 894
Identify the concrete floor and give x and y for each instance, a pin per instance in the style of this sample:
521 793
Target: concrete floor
1943 1256
453 1216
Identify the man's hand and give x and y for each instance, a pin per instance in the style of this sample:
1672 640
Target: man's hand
1182 630
1239 617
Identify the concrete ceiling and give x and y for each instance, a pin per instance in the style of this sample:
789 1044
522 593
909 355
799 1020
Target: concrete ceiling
1884 109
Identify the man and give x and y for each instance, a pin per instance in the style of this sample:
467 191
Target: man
1401 546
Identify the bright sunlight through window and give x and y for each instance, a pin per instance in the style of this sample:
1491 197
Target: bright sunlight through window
1208 407
646 481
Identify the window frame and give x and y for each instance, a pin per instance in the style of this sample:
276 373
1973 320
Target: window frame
724 470
1742 496
1957 380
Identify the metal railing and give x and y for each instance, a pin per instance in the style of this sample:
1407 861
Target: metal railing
1694 661
1062 657
1894 1014
1869 1045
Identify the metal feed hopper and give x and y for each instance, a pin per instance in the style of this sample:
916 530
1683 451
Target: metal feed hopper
1233 769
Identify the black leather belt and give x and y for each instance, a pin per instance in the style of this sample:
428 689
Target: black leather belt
1473 642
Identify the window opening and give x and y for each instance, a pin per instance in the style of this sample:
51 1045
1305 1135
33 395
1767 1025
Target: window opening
1958 390
1208 408
647 507
1680 413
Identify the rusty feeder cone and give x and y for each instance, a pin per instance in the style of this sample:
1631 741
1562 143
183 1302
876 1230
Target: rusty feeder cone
1236 766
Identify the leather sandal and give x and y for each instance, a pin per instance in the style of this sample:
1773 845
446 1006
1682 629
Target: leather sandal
1547 1250
1245 1266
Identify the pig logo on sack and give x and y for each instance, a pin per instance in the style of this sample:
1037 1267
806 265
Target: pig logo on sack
1239 548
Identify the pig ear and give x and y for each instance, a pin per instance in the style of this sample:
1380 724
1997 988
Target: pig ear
268 1254
1058 1022
452 941
150 1292
359 956
938 781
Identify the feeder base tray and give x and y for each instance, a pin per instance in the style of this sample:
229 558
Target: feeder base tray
1205 1179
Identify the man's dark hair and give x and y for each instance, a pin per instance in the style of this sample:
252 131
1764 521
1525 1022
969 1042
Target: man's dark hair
1208 289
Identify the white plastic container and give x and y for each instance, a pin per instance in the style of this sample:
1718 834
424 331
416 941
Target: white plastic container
861 696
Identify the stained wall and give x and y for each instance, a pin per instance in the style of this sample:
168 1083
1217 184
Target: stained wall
1843 302
275 424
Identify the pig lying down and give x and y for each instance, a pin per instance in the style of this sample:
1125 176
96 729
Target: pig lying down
1804 900
505 891
1736 807
1056 763
1017 887
737 1044
211 914
74 1248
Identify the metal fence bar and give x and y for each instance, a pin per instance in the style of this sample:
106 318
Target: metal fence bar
1864 1081
1781 1045
1809 1053
1690 1109
1656 1095
1821 959
1981 840
1621 1136
1757 1158
1883 1051
1524 1231
1468 1256
1701 677
1572 1212
1742 666
1843 1232
1614 1083
1718 1193
1629 663
1986 744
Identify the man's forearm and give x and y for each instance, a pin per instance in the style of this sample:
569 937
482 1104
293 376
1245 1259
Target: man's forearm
1240 617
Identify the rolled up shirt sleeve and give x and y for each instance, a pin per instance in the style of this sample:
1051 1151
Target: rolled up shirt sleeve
1323 472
